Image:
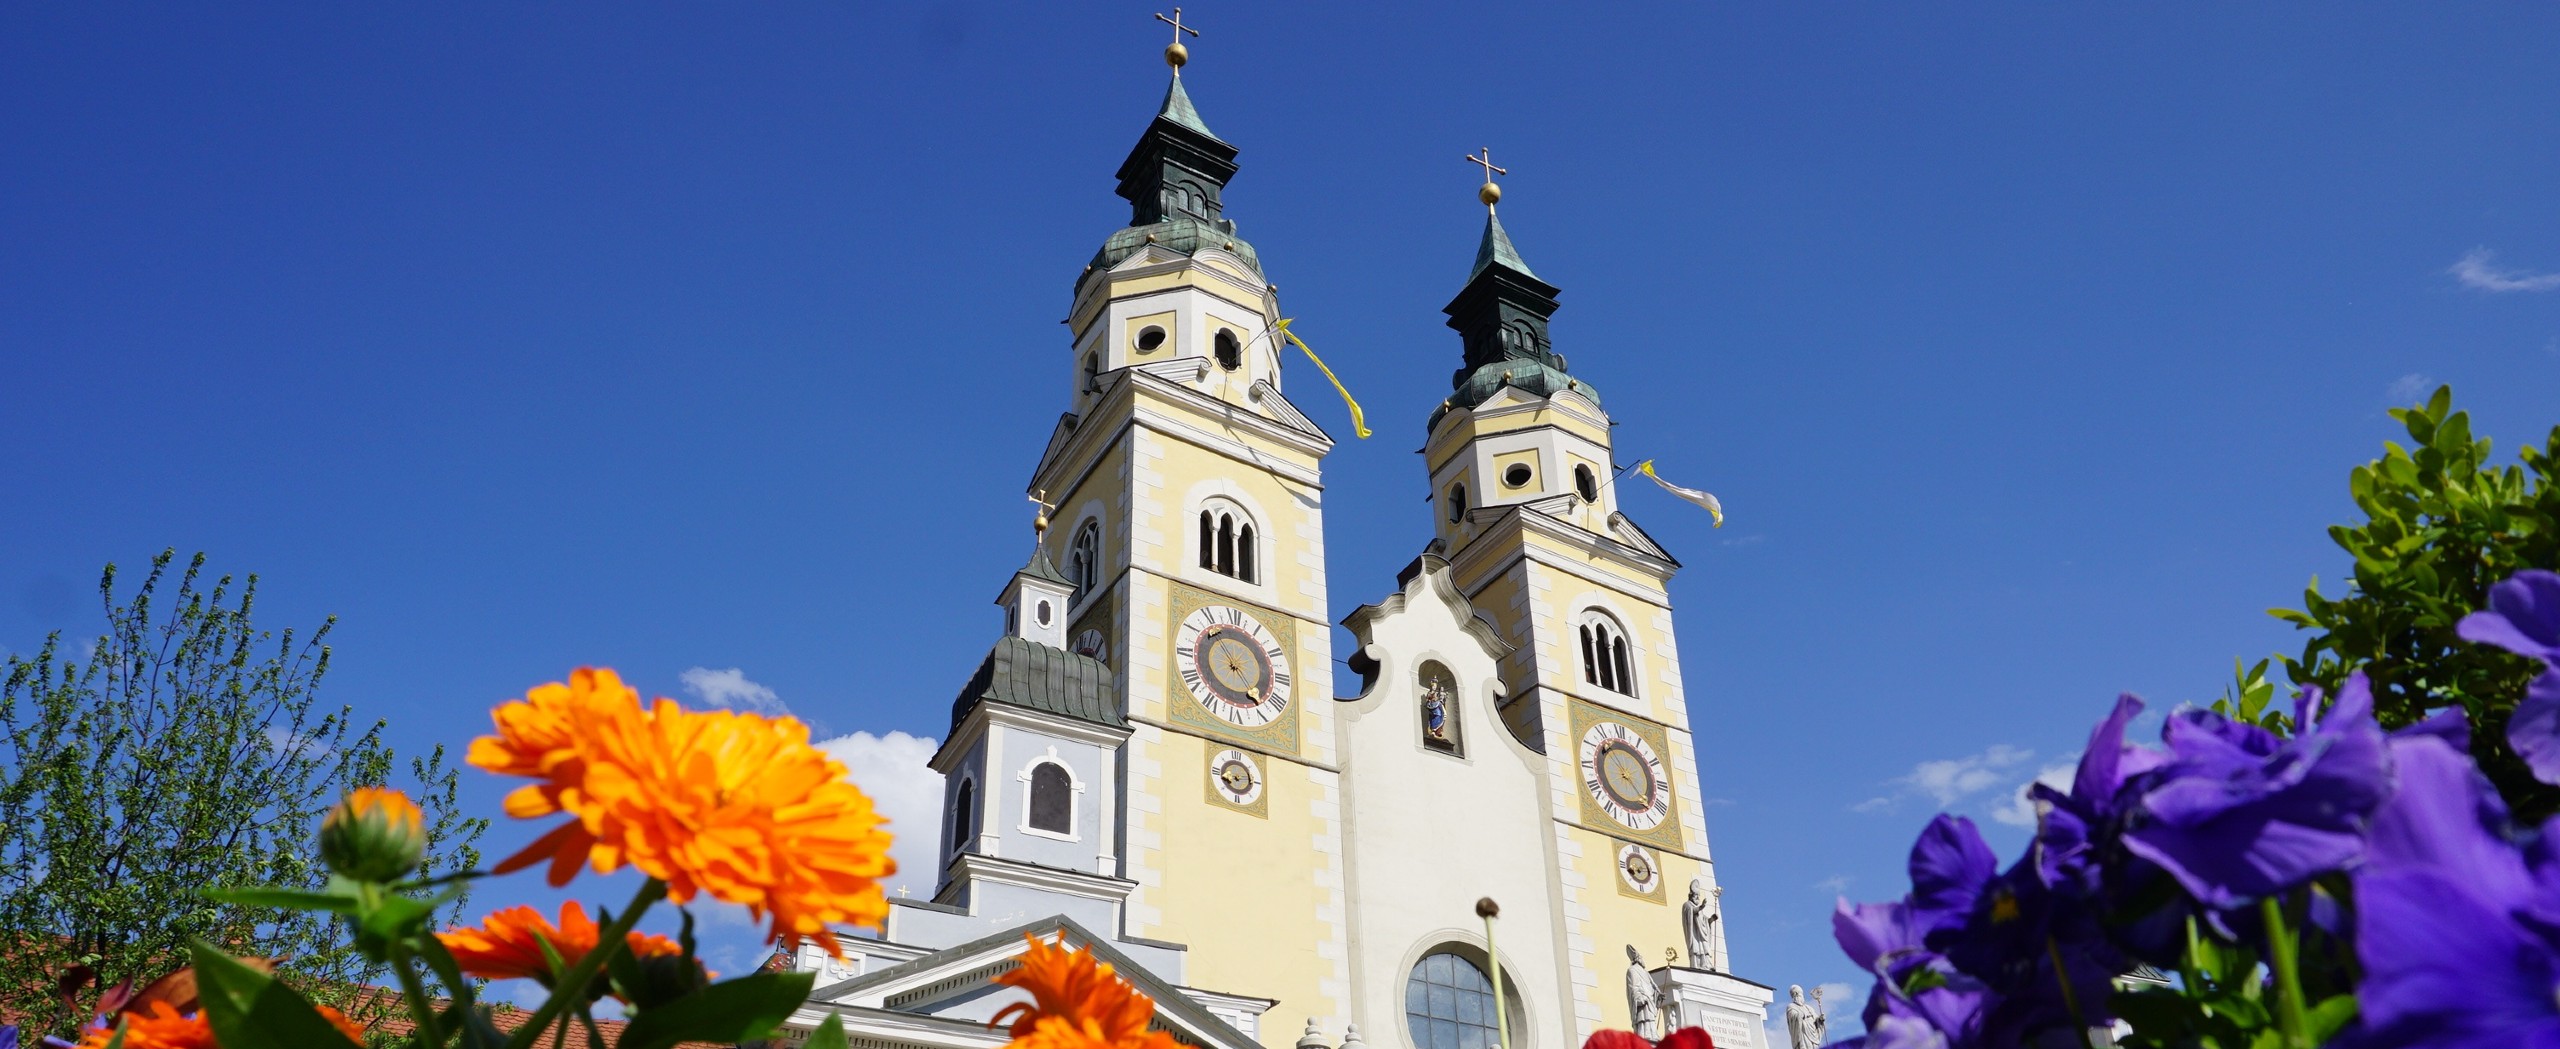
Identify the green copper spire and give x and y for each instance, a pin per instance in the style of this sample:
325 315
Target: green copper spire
1177 108
1497 248
1501 316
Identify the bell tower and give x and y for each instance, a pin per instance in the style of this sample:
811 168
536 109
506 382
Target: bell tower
1527 518
1188 522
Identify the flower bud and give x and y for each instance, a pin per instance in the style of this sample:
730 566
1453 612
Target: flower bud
376 834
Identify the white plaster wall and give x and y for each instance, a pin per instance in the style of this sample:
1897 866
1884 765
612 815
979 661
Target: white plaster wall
1427 833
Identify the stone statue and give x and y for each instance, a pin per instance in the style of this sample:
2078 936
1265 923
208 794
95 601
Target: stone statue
1698 919
1644 1002
1807 1027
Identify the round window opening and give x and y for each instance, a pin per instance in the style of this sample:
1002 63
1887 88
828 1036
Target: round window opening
1042 612
1448 1003
1586 483
1150 339
1230 351
1516 475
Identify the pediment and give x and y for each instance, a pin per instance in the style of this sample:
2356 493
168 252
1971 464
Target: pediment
958 983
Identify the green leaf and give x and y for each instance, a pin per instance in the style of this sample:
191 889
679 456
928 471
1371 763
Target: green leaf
829 1035
732 1011
2332 1015
250 1010
285 899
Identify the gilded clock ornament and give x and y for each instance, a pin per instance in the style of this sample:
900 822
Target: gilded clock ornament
1636 867
1234 776
1232 665
1625 776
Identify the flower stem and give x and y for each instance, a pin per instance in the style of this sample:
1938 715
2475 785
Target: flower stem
422 1009
2282 951
613 940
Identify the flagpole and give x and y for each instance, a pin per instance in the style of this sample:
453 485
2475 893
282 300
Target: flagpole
1487 909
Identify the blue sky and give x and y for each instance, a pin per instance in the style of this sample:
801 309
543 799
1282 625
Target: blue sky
2027 345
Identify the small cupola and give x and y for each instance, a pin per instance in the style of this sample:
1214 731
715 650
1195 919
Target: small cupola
1035 602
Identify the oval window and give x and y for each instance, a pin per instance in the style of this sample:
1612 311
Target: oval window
1042 613
1150 339
1230 351
1516 475
1586 483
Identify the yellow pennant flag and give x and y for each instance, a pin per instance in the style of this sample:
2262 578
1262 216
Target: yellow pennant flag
1357 425
1703 499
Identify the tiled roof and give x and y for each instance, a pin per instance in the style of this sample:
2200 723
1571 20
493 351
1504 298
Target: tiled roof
1025 673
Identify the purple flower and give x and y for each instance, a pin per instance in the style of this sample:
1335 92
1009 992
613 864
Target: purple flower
1919 1001
2524 618
2239 813
2458 929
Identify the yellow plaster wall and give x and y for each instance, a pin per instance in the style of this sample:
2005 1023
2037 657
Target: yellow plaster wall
1242 891
1280 517
1129 336
1462 427
1638 613
1617 920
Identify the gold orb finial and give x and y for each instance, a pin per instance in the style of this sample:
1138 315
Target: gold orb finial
1175 54
1488 193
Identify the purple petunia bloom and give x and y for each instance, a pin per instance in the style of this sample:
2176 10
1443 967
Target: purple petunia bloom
2458 929
2238 813
2524 618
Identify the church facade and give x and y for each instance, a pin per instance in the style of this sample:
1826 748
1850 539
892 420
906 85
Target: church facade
1157 759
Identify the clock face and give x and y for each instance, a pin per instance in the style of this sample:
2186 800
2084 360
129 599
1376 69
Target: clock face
1233 775
1625 776
1636 867
1232 665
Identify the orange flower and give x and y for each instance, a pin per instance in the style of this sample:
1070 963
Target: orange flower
164 1027
1076 1002
509 943
374 834
734 805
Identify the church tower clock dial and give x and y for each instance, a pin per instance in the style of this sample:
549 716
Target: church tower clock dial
1625 776
1232 665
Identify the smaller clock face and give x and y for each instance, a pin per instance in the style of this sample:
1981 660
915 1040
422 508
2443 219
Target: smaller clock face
1623 774
1637 868
1234 776
1232 665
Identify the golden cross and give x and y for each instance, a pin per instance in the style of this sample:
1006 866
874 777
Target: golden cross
1040 521
1483 158
1178 27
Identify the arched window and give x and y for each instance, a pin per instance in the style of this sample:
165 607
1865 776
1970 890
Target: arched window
1053 799
1586 483
964 805
1457 503
1228 544
1084 559
1604 654
1230 352
1092 372
1448 1002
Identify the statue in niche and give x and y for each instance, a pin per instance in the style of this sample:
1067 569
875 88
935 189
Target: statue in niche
1807 1027
1644 1000
1439 698
1698 919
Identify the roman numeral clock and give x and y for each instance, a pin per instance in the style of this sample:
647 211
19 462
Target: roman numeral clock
1232 665
1624 774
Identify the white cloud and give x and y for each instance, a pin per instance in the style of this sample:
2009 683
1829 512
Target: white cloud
2018 811
1872 805
2412 386
730 688
1837 884
2474 271
891 769
1956 779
